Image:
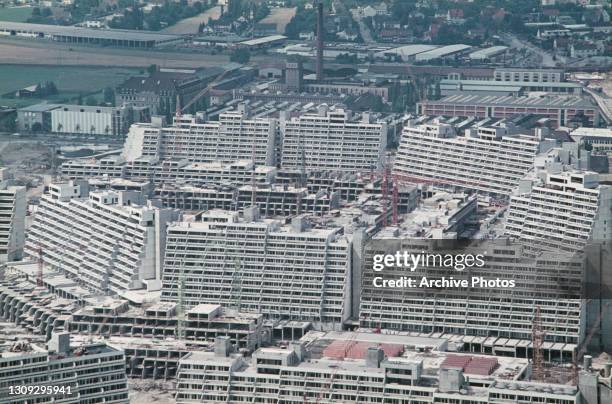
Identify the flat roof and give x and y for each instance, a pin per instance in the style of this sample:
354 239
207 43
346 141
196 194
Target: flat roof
548 101
408 50
82 108
111 34
487 52
493 83
263 40
443 51
42 107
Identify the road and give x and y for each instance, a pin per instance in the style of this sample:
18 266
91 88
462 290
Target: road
363 29
547 58
604 103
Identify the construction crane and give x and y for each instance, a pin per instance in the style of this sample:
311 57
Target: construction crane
39 274
537 339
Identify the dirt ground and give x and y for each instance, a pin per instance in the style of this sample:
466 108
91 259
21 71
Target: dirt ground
148 392
281 17
191 25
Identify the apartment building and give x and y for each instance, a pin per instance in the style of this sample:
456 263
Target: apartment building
560 110
331 140
365 368
436 228
282 200
561 210
12 218
233 137
169 171
93 373
262 266
111 241
204 322
489 159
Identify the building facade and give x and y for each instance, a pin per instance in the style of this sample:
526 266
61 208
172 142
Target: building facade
564 210
233 137
12 218
330 140
560 110
93 373
487 159
255 265
534 75
110 241
88 120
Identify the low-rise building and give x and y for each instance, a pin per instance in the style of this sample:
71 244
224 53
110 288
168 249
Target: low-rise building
88 373
560 110
201 323
78 119
366 368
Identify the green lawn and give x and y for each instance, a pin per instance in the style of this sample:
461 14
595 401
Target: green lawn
70 80
15 14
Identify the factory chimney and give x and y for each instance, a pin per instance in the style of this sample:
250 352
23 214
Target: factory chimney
319 42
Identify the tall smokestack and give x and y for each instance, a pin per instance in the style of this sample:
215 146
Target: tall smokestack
319 42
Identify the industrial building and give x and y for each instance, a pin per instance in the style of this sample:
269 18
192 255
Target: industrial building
480 160
243 263
504 88
406 53
233 137
560 110
81 35
13 209
78 119
330 140
110 241
92 373
444 52
599 139
489 53
529 75
159 90
261 43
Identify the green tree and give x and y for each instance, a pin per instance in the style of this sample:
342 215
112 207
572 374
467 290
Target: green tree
152 69
91 101
109 95
241 56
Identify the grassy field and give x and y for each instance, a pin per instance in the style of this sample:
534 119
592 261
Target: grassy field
15 14
281 17
70 80
191 25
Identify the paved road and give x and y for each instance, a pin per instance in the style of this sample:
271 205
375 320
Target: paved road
547 58
604 104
